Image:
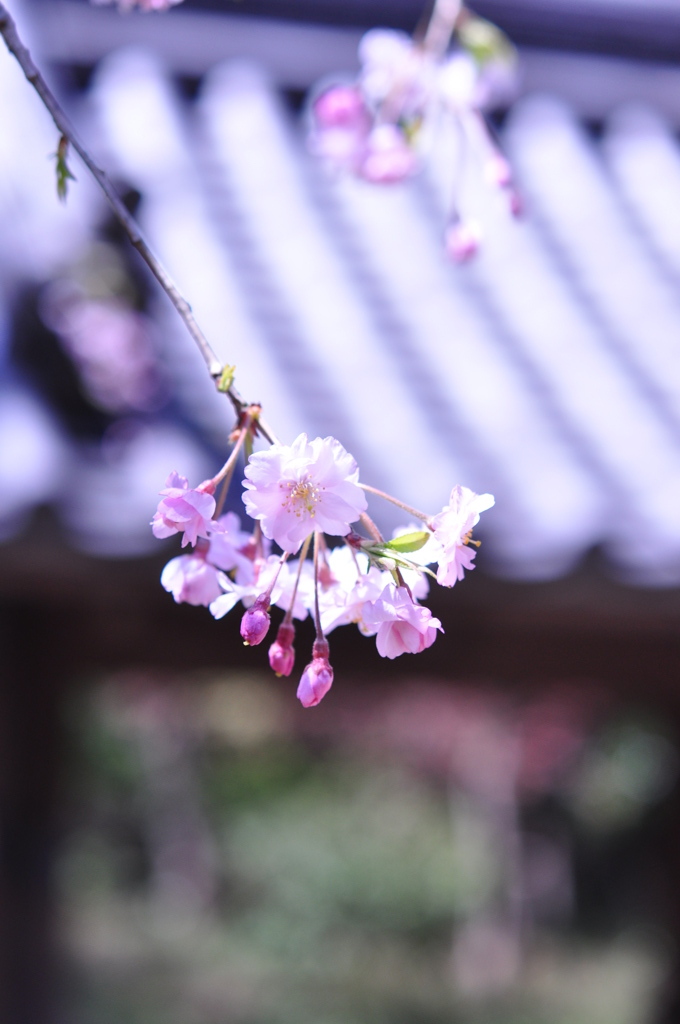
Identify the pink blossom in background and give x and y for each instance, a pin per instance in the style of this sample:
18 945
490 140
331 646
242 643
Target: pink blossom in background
298 595
396 73
341 127
184 510
111 345
341 106
416 99
296 489
388 156
402 626
452 527
143 5
190 579
457 81
232 547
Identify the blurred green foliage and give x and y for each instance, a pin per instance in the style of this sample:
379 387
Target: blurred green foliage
217 868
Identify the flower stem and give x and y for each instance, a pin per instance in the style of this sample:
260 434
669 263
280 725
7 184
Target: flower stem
441 26
270 589
375 533
288 617
395 501
8 31
317 615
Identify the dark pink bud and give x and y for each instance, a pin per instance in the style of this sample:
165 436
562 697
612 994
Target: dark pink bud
339 107
326 577
249 549
317 677
282 652
516 203
255 622
461 241
498 171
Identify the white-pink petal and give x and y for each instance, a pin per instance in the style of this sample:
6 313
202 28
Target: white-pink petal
402 625
296 489
190 579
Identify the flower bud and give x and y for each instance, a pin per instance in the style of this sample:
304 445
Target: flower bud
516 203
388 157
282 652
255 622
461 241
498 171
317 677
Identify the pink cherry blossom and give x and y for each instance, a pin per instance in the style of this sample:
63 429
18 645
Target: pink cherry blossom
452 527
256 577
189 578
184 510
402 625
317 677
459 559
339 607
299 488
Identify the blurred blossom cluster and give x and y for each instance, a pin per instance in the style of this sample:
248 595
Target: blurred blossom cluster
91 310
298 494
143 5
411 95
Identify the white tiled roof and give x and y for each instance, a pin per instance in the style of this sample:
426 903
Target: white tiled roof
547 371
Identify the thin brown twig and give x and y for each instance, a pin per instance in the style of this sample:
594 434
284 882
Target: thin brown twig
8 31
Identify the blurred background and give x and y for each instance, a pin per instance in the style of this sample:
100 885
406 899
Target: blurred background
489 833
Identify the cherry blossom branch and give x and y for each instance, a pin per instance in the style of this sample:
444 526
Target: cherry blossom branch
226 473
395 501
8 31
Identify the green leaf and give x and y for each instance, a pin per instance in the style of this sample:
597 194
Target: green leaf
409 541
226 378
63 172
485 41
